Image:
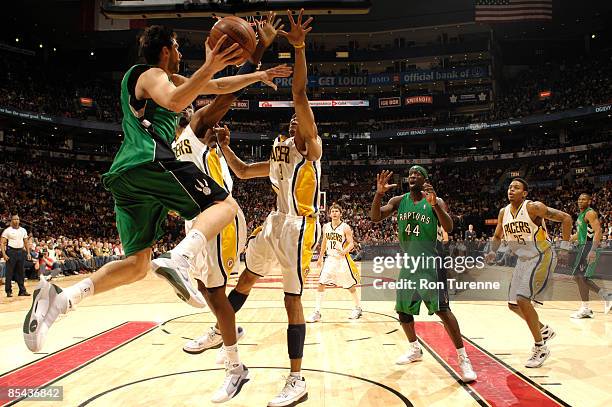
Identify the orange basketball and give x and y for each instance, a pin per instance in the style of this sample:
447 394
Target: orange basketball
238 31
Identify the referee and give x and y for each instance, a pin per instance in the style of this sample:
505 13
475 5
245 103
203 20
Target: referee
15 249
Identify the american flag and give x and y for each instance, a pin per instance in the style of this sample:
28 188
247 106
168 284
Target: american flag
500 11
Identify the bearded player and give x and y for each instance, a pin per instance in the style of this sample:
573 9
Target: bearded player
588 237
422 217
339 269
522 225
146 180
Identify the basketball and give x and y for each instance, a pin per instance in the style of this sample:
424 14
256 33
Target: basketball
238 31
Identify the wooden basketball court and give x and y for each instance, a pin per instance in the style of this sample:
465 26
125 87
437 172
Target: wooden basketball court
124 347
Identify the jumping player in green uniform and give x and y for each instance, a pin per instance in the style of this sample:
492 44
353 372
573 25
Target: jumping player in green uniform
588 237
147 181
422 218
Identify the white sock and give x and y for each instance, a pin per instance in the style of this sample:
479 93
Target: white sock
355 297
602 292
461 352
585 305
296 374
78 291
191 245
319 300
414 345
231 353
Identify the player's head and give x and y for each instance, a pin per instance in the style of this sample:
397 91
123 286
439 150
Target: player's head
293 125
584 201
417 176
517 190
185 116
335 211
15 220
159 47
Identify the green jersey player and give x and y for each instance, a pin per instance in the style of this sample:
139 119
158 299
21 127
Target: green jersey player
422 218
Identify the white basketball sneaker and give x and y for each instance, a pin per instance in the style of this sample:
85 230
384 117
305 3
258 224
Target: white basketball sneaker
221 357
467 372
314 317
235 378
293 393
538 356
547 333
413 355
174 268
582 313
355 313
48 302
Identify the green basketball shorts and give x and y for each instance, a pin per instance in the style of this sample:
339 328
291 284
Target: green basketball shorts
144 195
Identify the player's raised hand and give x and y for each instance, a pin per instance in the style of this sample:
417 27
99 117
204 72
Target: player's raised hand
382 182
431 197
223 135
280 71
218 59
298 32
268 28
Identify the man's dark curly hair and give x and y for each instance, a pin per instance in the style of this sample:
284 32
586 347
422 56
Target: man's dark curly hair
153 39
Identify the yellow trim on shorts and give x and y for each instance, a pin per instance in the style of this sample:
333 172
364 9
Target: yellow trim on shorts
214 167
229 246
354 269
308 241
305 189
540 274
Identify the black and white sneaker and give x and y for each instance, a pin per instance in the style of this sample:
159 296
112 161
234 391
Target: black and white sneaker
292 394
538 356
547 333
175 270
48 302
235 378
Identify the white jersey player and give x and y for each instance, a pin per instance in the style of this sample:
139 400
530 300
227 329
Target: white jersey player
223 259
290 233
339 269
522 225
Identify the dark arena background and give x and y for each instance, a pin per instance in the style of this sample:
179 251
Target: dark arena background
475 92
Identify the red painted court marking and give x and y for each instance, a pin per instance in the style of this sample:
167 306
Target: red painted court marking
57 365
497 385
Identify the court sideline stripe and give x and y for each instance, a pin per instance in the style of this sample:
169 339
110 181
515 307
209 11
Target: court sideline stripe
498 383
56 366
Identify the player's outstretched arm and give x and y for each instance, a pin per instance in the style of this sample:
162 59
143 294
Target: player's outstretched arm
239 167
210 115
154 83
306 138
538 209
378 213
231 84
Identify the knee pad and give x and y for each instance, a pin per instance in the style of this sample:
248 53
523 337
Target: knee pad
236 299
296 335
